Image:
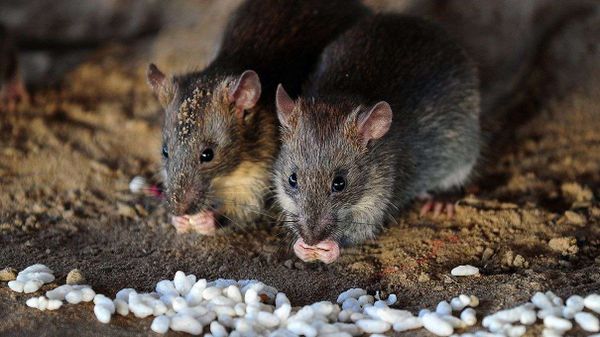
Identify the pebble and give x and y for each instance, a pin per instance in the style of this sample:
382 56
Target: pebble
465 270
75 276
8 274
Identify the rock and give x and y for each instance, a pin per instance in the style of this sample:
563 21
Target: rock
75 276
487 253
8 274
573 192
565 245
520 262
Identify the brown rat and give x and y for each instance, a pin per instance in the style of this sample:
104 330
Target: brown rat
220 130
391 113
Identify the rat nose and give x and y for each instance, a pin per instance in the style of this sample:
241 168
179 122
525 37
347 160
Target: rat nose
185 204
313 232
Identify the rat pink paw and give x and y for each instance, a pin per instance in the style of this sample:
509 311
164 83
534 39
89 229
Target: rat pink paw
437 208
327 251
181 224
203 223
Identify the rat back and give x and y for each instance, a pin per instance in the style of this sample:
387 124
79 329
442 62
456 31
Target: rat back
431 86
282 39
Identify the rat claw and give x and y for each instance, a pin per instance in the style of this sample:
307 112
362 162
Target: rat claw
437 209
426 207
450 210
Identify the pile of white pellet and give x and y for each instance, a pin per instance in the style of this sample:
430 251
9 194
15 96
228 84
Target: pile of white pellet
251 308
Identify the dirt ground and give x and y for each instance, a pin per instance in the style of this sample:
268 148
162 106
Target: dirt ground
531 222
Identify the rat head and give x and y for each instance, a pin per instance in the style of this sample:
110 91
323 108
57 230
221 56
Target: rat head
329 174
205 119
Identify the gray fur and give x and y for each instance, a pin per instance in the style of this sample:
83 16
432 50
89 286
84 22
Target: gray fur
431 86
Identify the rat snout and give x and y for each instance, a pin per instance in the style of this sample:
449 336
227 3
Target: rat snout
186 202
315 231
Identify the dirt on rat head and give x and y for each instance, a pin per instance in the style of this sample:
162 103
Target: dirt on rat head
530 222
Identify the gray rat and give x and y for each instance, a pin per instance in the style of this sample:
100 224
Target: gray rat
391 113
220 130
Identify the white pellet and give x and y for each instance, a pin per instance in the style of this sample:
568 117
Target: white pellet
410 323
16 286
341 334
54 304
557 301
182 283
541 301
575 303
443 308
592 302
456 322
42 303
32 302
32 286
217 330
457 304
281 299
123 294
356 316
436 325
74 296
516 331
102 313
160 324
87 294
423 312
465 270
351 293
469 316
121 307
568 312
528 317
551 333
59 293
392 299
373 326
38 267
233 292
587 321
186 323
267 319
557 323
366 299
137 185
302 328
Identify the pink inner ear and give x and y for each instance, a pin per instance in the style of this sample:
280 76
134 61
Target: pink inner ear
376 123
246 92
285 105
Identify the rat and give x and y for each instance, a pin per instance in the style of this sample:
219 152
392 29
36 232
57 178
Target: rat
220 135
12 88
391 113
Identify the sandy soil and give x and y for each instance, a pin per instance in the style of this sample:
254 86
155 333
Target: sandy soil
531 221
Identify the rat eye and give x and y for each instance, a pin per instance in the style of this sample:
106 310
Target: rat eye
165 151
206 156
293 180
339 183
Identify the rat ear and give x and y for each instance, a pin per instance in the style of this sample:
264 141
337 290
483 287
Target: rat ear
285 106
162 86
246 92
375 123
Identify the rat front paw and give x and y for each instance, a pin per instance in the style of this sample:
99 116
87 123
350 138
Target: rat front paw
181 224
326 251
436 207
203 223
